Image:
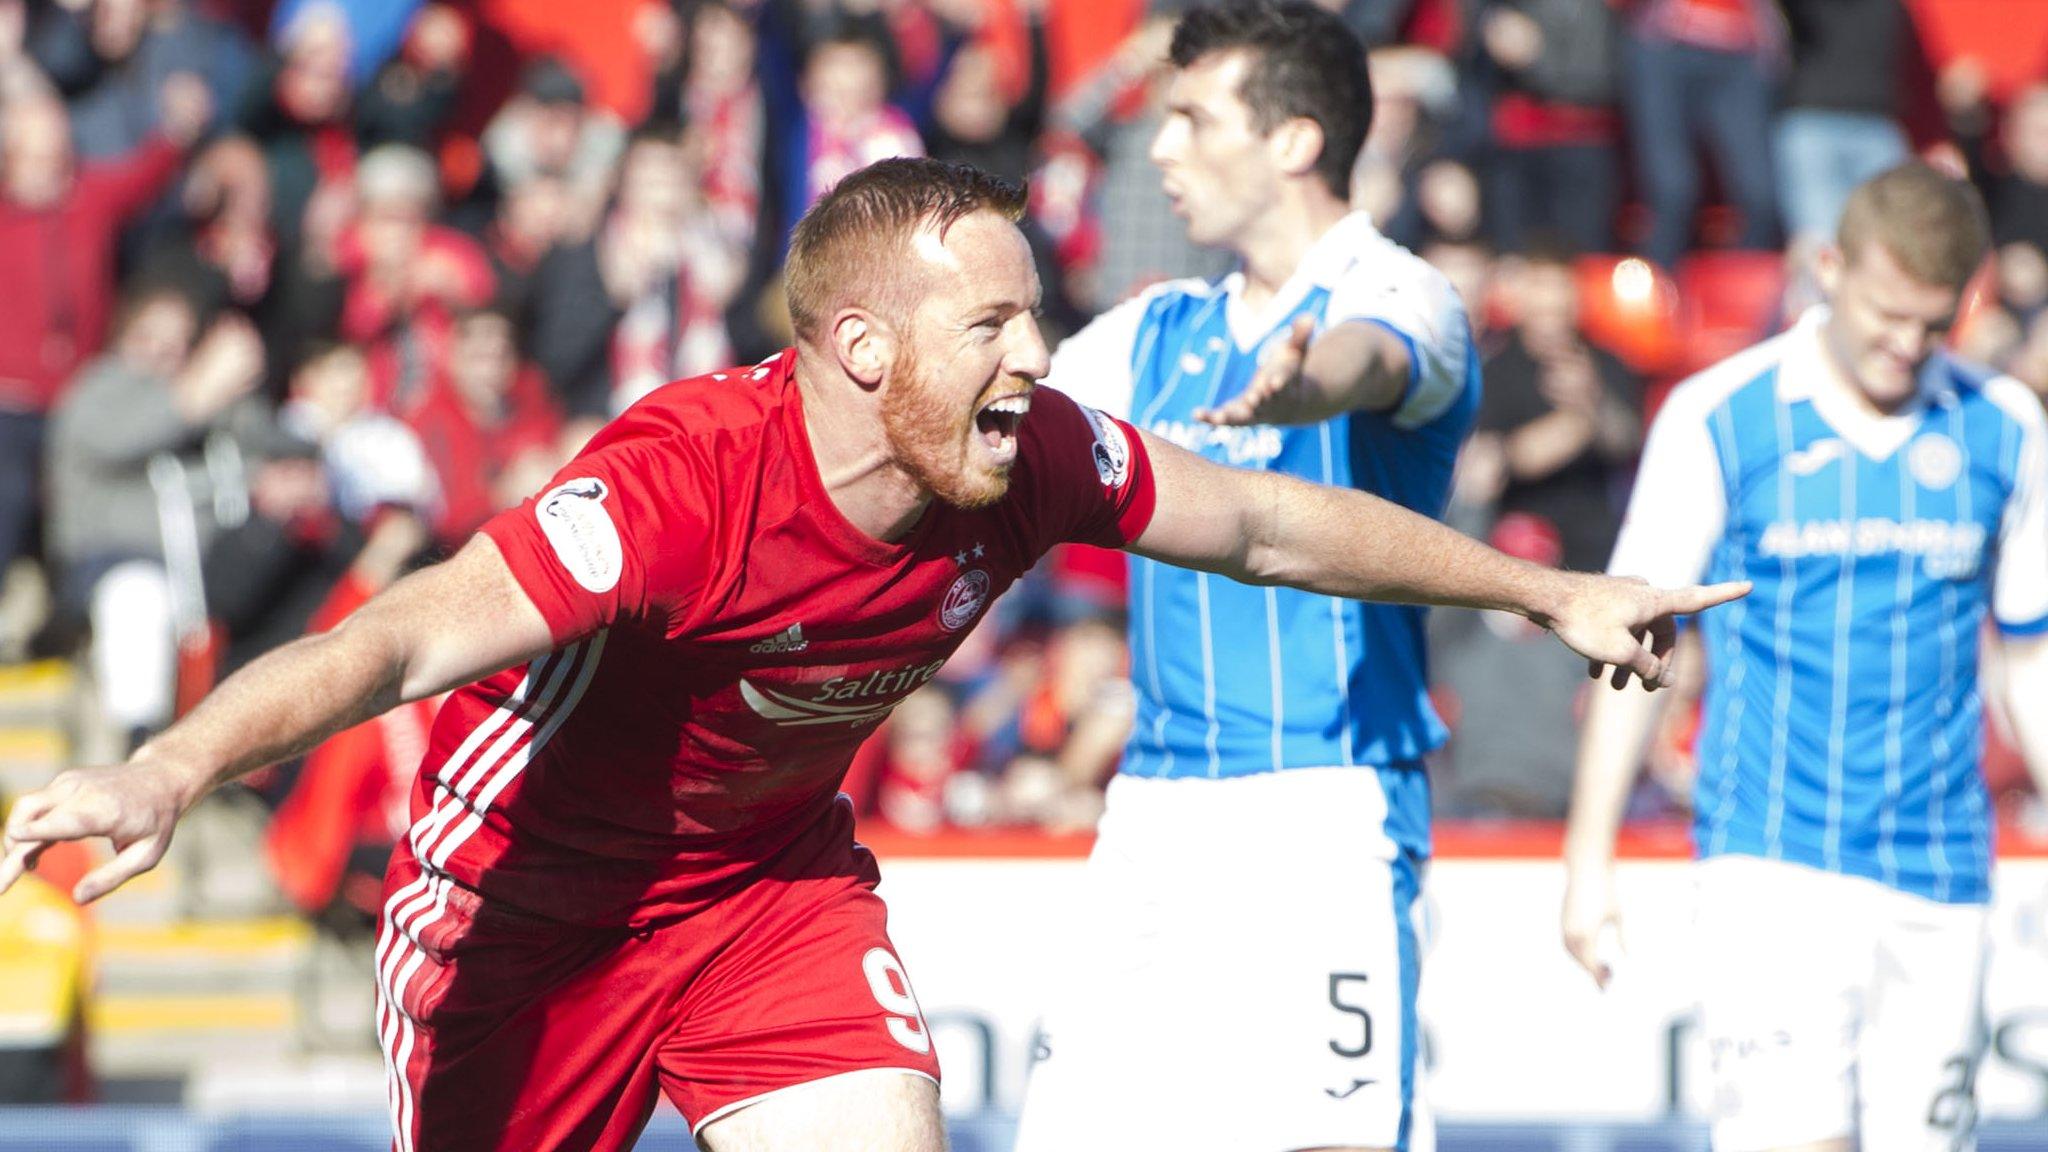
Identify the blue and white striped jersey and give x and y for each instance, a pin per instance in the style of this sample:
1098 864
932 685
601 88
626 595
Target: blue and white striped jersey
1843 728
1232 679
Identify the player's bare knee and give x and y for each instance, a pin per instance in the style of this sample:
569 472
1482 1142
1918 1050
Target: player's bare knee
876 1110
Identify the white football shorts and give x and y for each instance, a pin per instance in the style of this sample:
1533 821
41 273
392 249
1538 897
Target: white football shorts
1245 971
1834 1006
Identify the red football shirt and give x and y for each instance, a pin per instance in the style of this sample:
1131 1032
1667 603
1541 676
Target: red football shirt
726 641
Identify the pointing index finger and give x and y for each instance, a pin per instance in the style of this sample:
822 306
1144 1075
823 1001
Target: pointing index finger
1685 601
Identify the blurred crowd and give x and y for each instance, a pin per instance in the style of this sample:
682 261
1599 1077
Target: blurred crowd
297 295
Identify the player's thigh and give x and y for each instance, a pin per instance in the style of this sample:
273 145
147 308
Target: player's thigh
504 1032
876 1110
1924 1033
810 990
1784 962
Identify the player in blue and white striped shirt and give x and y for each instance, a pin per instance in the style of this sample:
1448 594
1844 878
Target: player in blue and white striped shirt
1253 966
1886 500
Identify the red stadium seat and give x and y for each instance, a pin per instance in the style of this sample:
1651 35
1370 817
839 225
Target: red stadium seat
1630 307
1731 300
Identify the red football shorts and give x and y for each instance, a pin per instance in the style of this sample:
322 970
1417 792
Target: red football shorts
503 1030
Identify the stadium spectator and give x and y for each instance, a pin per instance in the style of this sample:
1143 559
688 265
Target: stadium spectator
973 122
849 121
2014 181
404 276
1567 414
528 221
1511 702
1377 22
641 302
1118 110
111 59
550 132
295 111
311 127
1469 266
218 245
923 755
133 439
1842 117
414 93
1700 70
1449 204
2028 360
340 470
1070 730
59 219
1415 96
375 31
488 426
720 100
1554 167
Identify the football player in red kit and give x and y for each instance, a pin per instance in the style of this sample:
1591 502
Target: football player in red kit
629 870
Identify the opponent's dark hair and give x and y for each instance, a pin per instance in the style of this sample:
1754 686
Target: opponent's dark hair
1305 62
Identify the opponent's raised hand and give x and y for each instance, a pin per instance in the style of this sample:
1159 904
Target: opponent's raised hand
1275 390
134 805
1628 627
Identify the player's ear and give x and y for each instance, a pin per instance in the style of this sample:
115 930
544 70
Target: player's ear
864 345
1297 144
1828 262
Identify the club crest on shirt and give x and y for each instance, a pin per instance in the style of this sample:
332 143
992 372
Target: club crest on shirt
964 600
1935 461
572 516
1111 451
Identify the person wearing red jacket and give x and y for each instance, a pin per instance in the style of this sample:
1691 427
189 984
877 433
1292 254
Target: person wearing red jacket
488 425
59 221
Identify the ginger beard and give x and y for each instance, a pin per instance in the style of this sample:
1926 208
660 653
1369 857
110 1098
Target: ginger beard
933 443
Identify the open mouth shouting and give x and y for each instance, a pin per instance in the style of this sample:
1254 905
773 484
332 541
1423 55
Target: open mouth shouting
998 422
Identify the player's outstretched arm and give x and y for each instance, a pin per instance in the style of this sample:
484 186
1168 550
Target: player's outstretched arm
435 629
1307 379
1264 528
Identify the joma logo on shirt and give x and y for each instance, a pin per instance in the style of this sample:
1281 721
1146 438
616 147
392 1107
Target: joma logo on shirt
841 699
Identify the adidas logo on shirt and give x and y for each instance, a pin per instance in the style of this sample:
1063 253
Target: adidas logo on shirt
790 639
